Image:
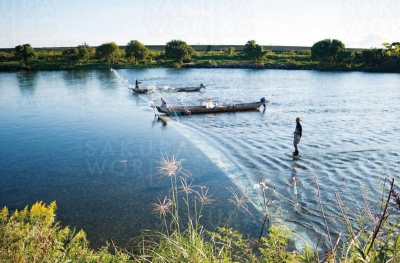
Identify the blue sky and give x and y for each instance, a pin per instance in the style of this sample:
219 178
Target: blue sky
49 23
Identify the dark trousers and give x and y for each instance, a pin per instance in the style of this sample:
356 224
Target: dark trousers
295 143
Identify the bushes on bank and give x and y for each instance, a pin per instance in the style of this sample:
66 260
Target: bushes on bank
32 235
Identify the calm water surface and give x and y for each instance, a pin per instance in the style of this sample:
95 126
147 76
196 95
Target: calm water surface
84 140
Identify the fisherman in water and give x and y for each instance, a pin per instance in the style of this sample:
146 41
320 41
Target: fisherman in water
297 136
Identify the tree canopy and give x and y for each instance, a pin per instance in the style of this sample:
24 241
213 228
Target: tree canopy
70 54
373 56
178 50
83 53
25 52
136 50
326 54
392 49
254 51
80 53
108 52
327 50
345 58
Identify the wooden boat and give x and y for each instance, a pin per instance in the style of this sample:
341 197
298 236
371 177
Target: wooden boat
183 89
189 89
209 108
137 90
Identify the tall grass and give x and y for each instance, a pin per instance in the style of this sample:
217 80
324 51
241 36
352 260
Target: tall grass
184 238
370 225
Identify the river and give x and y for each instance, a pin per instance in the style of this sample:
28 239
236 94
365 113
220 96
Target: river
83 139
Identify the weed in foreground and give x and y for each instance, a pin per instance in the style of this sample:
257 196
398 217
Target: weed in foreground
192 243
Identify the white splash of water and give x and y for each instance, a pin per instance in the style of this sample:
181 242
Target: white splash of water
150 96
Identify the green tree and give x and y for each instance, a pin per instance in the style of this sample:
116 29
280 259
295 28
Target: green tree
345 58
392 49
83 53
25 52
155 54
70 54
80 53
108 52
327 50
254 51
178 50
373 56
136 50
92 51
396 48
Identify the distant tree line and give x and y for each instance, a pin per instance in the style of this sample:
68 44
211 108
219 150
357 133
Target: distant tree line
333 54
329 54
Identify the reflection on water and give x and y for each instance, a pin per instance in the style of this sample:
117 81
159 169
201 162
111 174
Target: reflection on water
27 82
79 75
84 140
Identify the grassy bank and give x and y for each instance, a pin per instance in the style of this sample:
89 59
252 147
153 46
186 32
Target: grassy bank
282 59
371 231
212 59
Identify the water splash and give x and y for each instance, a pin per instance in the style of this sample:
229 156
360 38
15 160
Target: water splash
150 96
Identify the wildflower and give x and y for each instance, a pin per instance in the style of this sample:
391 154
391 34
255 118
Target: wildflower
170 167
240 202
163 207
187 188
203 197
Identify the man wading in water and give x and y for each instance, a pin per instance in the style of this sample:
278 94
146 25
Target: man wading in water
297 136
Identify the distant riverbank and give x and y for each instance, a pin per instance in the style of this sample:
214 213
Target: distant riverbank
290 58
51 66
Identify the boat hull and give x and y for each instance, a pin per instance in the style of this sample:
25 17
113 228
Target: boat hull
140 91
188 89
188 110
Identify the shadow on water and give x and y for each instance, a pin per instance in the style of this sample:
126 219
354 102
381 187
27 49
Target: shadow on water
27 81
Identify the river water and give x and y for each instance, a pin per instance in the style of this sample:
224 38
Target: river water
83 139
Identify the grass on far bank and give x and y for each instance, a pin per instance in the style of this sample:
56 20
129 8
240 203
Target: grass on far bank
54 61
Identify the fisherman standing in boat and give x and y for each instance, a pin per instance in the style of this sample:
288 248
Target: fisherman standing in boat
137 84
163 103
297 136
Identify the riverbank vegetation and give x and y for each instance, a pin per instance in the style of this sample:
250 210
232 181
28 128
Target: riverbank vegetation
370 226
327 55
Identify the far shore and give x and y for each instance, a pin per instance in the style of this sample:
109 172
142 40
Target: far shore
205 56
